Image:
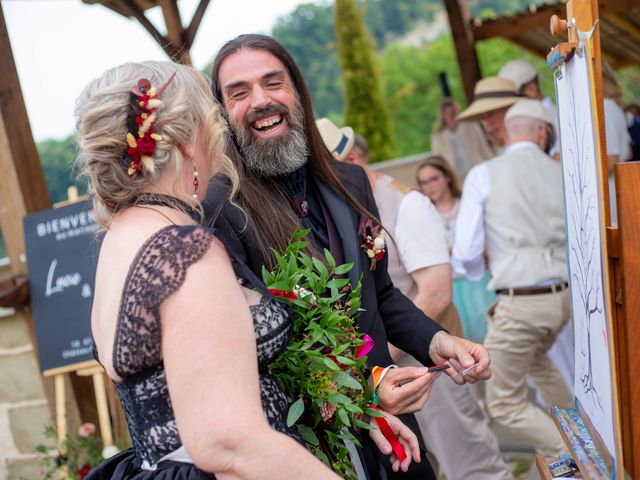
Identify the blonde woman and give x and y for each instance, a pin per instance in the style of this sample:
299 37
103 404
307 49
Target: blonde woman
172 325
185 333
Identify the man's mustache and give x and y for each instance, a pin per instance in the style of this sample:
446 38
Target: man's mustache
271 109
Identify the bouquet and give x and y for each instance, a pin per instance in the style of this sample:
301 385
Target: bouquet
322 369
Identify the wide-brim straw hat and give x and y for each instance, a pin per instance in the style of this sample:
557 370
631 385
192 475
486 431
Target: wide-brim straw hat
339 141
491 93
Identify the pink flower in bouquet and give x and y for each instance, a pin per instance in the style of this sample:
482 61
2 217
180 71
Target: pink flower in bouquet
87 429
366 347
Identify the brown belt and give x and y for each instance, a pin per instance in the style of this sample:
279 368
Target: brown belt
533 290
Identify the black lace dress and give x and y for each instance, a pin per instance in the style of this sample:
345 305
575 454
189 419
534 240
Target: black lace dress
158 271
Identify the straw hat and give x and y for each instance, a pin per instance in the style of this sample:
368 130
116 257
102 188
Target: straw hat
490 94
338 141
528 107
519 72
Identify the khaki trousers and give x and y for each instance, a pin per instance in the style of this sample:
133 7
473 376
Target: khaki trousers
456 432
521 329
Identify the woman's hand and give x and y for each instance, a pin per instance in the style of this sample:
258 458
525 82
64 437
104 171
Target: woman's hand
405 390
405 436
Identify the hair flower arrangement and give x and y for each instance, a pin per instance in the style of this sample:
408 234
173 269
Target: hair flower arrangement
374 244
141 140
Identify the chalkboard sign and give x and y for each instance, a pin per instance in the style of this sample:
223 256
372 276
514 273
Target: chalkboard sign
62 253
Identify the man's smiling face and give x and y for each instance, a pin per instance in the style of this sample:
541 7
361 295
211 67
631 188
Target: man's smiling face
263 111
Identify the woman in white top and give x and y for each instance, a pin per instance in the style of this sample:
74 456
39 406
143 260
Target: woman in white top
438 181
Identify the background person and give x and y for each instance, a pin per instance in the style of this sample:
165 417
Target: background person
525 78
463 144
454 427
512 205
492 97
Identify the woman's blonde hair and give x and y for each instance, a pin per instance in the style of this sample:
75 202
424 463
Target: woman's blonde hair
440 163
102 111
439 124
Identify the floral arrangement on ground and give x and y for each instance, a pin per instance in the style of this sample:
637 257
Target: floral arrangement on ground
322 370
78 454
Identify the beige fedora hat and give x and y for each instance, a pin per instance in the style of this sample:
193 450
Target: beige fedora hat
338 141
489 94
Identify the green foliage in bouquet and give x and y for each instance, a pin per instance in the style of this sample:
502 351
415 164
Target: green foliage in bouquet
322 369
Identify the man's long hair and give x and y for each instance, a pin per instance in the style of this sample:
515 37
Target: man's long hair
271 217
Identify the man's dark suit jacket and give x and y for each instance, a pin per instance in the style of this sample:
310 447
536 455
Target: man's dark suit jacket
388 314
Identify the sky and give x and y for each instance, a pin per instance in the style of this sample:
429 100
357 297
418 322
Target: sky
59 46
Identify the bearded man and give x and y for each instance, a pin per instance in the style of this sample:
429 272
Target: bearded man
288 179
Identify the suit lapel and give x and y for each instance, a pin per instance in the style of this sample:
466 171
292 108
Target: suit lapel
346 221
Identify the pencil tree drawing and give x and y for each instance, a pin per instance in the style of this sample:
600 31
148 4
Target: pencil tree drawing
584 238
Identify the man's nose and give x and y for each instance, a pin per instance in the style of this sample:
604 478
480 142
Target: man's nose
259 98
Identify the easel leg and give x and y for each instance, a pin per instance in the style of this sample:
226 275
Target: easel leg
61 420
103 409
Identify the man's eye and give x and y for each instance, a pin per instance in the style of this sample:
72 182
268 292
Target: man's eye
237 95
274 84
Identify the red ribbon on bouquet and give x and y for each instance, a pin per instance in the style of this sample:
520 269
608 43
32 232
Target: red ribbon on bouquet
291 295
384 427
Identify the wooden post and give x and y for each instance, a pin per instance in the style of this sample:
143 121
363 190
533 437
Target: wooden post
460 22
627 304
23 159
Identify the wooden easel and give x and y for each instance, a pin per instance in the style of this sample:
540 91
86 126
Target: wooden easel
621 267
90 368
84 369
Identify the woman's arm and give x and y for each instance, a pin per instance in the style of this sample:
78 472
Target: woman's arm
209 354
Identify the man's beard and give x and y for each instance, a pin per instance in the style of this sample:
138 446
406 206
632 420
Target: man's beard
278 155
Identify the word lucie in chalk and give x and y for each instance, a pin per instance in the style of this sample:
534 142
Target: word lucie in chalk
61 282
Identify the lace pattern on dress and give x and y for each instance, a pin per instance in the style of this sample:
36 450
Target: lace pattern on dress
158 271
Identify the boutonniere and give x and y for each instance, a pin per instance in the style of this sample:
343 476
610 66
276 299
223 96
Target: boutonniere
373 241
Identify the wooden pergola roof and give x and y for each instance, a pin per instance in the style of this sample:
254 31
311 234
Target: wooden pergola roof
178 39
619 27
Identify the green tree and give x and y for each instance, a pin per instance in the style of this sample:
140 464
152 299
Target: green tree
365 109
307 33
57 158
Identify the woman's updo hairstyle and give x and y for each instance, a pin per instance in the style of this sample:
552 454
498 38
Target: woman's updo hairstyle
102 111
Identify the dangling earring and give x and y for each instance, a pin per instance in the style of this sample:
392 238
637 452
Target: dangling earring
196 182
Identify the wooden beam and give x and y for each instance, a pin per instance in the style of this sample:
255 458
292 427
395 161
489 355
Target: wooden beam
624 24
24 160
175 31
190 34
508 27
460 22
134 11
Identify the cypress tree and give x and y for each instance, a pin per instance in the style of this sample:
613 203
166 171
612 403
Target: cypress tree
365 108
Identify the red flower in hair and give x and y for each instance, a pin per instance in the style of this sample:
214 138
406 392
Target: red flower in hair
146 145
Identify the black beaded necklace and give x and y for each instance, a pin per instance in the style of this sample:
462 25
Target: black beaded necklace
162 200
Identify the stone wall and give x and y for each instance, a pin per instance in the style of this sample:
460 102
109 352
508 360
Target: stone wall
24 410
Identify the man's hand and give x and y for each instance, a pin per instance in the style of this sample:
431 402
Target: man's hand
461 354
405 390
405 436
